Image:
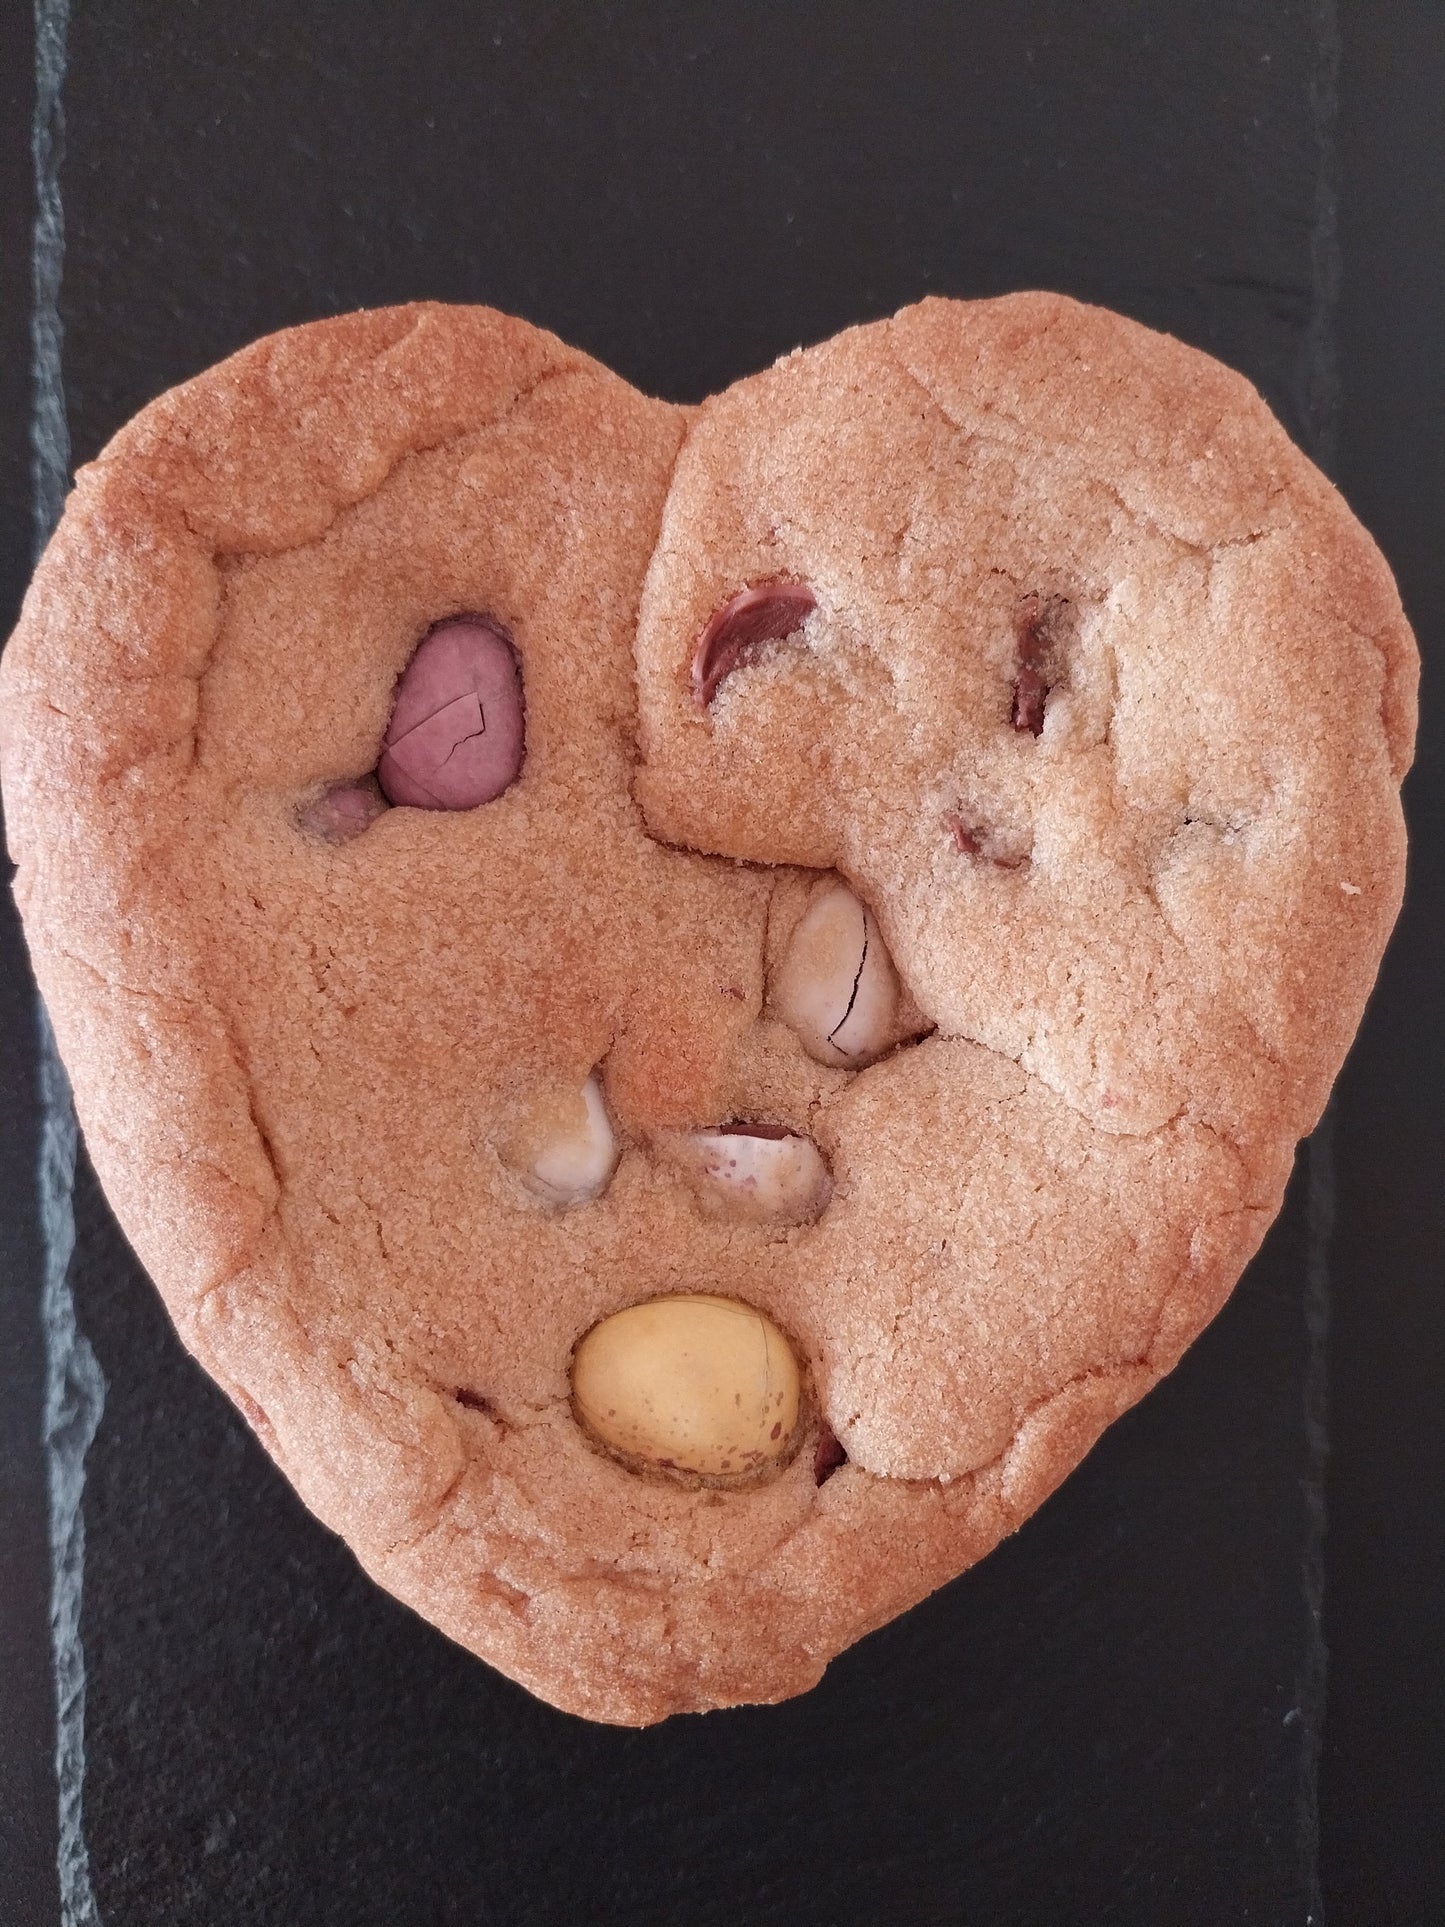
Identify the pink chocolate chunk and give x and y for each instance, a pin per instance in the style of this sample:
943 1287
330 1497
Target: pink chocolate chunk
456 736
344 810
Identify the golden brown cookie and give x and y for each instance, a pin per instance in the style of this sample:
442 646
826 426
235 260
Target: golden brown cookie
901 850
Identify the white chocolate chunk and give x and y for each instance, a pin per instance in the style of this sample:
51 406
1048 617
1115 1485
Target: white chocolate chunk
693 1383
763 1178
836 985
563 1148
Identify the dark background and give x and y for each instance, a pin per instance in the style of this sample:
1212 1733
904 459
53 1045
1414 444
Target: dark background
1130 1713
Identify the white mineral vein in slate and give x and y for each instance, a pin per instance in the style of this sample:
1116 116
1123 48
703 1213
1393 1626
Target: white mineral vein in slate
74 1387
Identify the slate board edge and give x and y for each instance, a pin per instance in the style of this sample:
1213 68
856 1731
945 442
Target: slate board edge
74 1387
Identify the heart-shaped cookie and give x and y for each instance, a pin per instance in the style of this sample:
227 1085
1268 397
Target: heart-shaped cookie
685 1003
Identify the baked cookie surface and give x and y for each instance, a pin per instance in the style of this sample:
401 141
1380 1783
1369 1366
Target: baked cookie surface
1015 633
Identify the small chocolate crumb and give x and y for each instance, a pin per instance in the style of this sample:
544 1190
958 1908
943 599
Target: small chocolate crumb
474 1401
1004 849
343 810
965 840
1037 626
828 1456
253 1414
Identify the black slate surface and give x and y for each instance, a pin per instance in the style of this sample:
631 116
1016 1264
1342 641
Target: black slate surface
1118 1717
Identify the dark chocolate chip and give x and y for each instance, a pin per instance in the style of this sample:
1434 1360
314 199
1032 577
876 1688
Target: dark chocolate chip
253 1414
1002 848
736 632
965 840
1038 625
828 1456
1030 695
